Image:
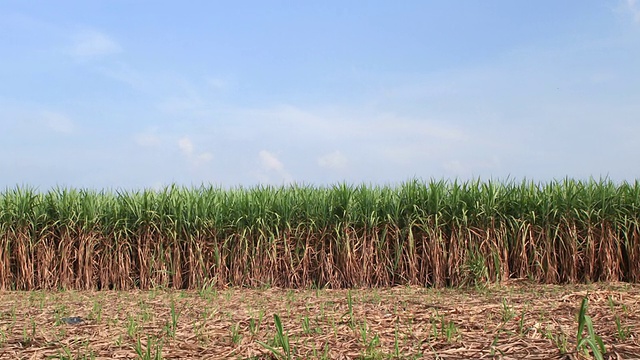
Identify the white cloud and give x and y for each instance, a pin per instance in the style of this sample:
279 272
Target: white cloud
57 122
122 72
455 167
269 161
186 146
272 166
348 125
635 9
148 140
383 140
335 161
188 150
217 84
181 105
380 144
471 167
204 157
91 43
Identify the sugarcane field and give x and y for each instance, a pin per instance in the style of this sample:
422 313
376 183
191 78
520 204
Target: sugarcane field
421 270
322 180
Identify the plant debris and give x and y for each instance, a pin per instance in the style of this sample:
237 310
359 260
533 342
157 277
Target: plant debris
518 320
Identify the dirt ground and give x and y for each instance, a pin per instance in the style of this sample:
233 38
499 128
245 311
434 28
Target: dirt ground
518 320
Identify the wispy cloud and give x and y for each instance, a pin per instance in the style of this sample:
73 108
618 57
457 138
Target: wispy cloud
469 167
57 122
635 9
126 74
92 43
148 139
377 143
271 165
217 83
204 157
269 161
350 124
187 148
473 121
334 161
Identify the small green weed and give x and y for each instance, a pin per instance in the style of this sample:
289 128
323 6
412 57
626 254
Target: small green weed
146 353
592 340
281 340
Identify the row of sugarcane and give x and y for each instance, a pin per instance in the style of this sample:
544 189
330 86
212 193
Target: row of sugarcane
430 233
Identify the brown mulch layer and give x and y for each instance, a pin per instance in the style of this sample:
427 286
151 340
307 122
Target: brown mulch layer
518 320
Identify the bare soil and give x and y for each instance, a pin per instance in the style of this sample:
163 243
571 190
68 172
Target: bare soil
516 320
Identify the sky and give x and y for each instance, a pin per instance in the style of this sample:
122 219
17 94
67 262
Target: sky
143 94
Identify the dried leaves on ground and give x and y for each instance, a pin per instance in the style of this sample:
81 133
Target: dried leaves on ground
519 320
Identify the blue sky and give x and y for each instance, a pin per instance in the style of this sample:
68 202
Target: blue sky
133 94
